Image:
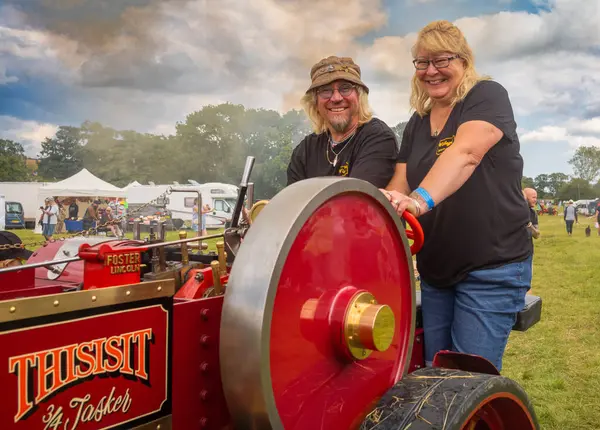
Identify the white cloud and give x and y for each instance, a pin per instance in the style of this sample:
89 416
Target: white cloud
259 54
29 133
575 132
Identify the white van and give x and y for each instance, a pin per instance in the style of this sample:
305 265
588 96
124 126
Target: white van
2 213
219 196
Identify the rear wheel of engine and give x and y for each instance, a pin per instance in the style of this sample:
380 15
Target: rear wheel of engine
437 398
318 315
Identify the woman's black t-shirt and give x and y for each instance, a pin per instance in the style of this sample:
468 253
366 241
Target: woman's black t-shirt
483 224
369 155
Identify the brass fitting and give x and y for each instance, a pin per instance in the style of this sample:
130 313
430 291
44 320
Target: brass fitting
368 326
214 265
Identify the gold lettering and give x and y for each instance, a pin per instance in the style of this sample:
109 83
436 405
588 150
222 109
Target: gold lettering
140 337
79 361
48 365
85 358
20 366
87 412
113 351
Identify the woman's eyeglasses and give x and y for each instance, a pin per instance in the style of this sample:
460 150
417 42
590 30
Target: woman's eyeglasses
438 63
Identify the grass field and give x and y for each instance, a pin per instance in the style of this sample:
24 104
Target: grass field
27 236
558 360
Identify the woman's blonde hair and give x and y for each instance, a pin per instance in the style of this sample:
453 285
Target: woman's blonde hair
438 37
309 104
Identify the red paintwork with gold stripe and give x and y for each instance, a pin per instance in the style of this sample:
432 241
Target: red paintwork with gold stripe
84 373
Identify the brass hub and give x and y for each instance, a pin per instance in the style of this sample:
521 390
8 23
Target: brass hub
368 326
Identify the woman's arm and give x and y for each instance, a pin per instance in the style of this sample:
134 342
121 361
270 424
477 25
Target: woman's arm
485 117
399 182
473 140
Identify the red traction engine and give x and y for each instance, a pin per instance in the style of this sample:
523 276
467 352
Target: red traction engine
306 319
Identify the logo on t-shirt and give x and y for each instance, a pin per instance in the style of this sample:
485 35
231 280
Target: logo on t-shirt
344 168
444 144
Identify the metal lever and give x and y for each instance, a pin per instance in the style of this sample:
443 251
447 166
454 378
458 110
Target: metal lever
243 188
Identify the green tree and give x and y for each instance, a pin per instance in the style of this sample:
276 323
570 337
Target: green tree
527 182
60 156
586 162
576 189
13 162
556 181
398 130
542 183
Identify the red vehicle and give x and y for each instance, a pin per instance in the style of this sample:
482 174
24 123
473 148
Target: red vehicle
306 319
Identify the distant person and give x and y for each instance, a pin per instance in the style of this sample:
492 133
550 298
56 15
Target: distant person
50 218
570 217
91 216
347 140
73 210
205 211
195 217
113 222
533 226
598 218
62 215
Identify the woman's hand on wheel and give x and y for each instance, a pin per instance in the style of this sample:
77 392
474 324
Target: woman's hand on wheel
402 202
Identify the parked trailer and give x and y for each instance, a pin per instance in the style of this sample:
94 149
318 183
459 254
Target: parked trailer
220 197
25 193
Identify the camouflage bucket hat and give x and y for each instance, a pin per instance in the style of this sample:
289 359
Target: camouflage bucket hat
333 68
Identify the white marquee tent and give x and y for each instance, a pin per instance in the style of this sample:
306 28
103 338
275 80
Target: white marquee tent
81 184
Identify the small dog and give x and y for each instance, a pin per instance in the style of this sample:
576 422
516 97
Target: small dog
588 231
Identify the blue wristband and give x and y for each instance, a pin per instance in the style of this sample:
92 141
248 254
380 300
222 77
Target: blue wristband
423 193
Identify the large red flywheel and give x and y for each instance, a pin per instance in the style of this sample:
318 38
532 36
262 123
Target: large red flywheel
319 312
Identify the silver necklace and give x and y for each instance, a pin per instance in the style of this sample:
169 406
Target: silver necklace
335 159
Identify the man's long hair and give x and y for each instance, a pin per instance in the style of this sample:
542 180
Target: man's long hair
438 37
319 125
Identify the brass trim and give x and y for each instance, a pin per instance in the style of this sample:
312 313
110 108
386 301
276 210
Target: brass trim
368 326
31 307
164 423
256 208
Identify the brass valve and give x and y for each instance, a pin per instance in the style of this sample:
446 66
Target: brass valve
214 265
222 256
185 256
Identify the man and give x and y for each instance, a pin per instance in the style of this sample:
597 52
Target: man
14 256
50 218
91 215
347 140
533 226
570 217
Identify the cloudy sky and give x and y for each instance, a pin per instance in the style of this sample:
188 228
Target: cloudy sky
146 64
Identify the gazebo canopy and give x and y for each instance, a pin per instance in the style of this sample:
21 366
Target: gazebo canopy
81 184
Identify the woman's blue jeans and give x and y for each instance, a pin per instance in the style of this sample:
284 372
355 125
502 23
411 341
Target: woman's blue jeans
476 315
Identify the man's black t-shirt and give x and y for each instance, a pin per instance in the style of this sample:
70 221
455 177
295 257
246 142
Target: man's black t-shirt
484 223
533 216
369 155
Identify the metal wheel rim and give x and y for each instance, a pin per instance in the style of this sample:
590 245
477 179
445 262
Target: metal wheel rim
246 314
493 417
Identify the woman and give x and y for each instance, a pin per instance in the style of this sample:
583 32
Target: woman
570 216
459 170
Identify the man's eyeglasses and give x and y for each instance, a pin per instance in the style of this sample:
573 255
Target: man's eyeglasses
438 63
327 93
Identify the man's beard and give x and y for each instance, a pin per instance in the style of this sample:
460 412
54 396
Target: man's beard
341 126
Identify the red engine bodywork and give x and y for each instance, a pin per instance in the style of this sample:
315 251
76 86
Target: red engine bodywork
184 343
